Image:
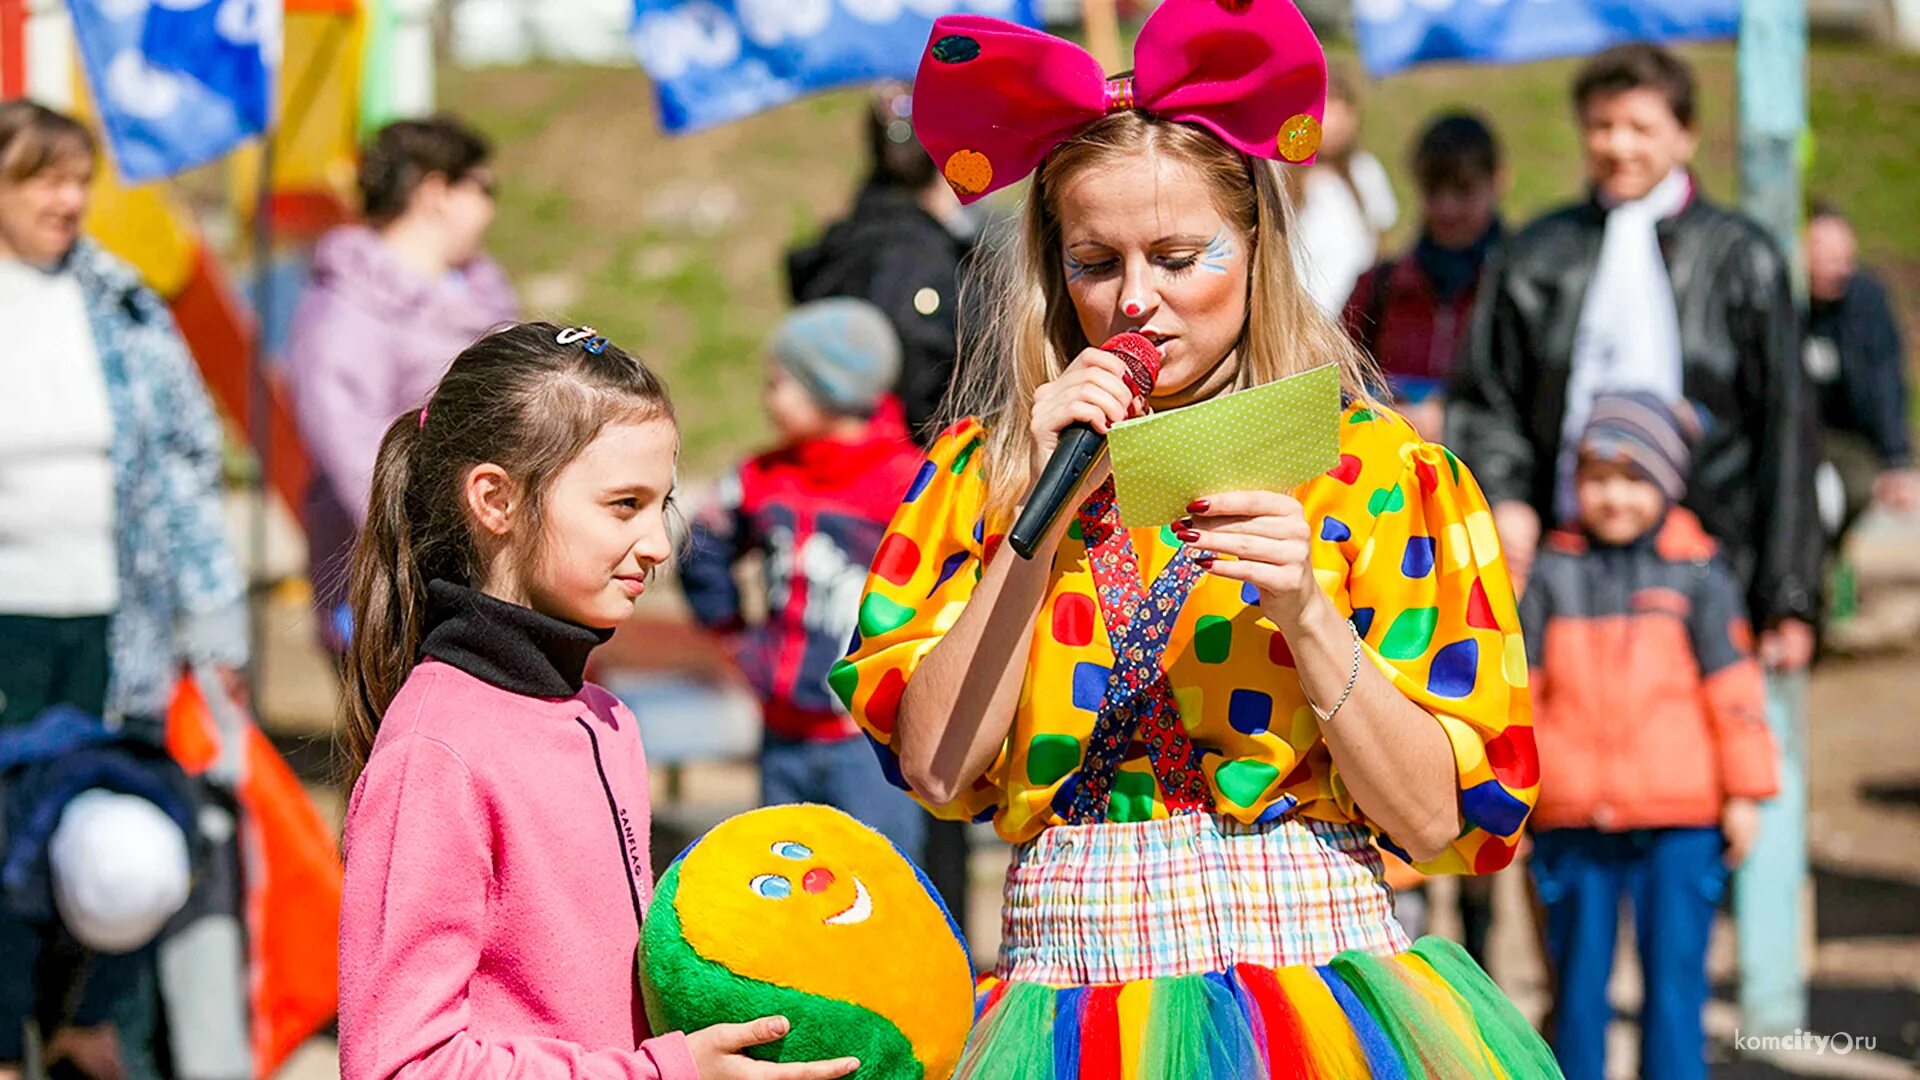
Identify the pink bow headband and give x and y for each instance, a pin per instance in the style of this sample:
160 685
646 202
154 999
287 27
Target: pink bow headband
994 98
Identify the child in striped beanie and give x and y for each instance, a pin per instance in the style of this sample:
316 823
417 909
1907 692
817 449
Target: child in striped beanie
1649 712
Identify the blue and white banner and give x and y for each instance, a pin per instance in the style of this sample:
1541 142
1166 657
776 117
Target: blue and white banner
1396 34
178 83
718 60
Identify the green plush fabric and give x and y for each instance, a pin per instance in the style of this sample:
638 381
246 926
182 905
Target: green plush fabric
685 991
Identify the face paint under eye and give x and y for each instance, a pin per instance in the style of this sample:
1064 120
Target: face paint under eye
771 886
1074 267
1219 251
787 849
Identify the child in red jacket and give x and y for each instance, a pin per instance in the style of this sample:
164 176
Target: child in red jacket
1650 714
814 508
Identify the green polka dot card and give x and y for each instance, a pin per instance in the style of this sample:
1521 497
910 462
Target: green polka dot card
1269 438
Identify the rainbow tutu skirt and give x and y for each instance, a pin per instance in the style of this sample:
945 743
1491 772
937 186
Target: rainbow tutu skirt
1198 948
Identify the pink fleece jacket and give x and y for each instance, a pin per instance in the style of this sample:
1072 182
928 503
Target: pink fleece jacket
497 867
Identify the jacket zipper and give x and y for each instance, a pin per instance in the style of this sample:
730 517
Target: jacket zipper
613 812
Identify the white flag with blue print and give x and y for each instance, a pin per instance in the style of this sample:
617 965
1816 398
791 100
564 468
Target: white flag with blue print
178 83
719 60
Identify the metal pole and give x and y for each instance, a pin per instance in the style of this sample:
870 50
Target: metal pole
1773 114
1772 896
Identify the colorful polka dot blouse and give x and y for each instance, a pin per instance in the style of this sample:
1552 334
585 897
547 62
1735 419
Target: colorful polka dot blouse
1404 544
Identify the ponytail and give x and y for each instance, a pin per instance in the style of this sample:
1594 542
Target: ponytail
388 596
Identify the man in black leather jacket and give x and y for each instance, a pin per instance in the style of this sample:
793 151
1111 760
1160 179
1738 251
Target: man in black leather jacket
1752 480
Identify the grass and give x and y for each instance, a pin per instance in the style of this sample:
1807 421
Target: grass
674 246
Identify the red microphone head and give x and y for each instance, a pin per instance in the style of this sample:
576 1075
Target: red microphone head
1141 358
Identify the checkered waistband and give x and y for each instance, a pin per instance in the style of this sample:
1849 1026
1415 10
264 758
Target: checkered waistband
1193 893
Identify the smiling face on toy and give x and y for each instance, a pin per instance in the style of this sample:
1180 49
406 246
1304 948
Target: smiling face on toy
817 886
817 883
792 905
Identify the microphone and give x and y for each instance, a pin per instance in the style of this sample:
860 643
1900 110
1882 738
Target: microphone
1079 448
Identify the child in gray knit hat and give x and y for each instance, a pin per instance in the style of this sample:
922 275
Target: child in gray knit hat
814 508
842 353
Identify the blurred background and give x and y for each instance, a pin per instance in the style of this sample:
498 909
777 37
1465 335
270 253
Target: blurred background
674 246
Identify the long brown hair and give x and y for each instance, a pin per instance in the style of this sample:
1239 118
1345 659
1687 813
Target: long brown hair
1029 333
517 398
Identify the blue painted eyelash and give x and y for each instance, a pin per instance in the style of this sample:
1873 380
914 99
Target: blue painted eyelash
1219 250
1075 268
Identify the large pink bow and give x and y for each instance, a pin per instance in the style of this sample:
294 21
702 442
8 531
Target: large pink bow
993 98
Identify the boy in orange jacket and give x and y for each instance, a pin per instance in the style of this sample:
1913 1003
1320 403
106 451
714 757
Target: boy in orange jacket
1650 714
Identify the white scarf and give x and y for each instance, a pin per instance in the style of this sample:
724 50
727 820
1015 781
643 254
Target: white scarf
1629 332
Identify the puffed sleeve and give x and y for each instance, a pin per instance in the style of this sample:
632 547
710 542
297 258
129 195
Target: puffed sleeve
1435 607
926 568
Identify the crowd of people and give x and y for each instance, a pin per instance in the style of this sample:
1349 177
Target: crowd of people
1605 458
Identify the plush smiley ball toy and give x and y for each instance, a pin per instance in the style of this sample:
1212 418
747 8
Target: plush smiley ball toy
803 912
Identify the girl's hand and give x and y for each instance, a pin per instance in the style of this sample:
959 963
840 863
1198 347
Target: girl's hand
1268 545
1093 390
1740 824
717 1054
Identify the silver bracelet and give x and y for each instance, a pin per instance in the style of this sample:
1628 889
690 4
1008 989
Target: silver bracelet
1353 677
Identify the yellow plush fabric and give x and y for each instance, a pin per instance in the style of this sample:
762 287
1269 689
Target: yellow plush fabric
806 897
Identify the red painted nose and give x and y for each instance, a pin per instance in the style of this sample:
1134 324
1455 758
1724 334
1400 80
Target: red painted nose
818 880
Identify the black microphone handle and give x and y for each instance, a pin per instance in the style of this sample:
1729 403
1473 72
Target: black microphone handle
1078 449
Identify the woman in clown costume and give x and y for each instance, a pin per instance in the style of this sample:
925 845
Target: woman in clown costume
1193 734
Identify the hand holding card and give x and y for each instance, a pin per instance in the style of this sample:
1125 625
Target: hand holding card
1269 438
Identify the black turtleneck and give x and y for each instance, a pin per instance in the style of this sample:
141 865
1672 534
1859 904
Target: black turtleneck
514 648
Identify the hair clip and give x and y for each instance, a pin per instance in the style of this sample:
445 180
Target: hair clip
423 418
595 345
573 335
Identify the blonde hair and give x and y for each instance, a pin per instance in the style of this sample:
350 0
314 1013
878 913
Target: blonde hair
1028 332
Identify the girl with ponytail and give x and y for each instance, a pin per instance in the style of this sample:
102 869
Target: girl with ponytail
496 839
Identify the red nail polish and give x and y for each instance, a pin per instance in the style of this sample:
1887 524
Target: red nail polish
1186 535
1197 506
1205 561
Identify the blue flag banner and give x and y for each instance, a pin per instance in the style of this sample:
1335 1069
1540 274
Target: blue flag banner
178 83
719 60
1397 34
